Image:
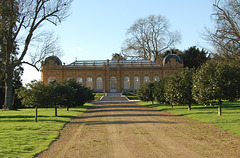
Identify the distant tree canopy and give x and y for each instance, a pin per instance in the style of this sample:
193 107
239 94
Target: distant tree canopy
172 51
193 57
149 37
81 94
159 90
64 94
146 92
35 94
216 82
19 26
210 84
118 56
178 89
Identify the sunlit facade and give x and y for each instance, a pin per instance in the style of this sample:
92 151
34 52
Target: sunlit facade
110 75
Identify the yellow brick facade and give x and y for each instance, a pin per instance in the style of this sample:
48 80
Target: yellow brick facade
109 75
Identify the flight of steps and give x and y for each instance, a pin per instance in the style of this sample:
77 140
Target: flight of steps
114 97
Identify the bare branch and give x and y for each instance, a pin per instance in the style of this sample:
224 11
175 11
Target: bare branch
226 36
36 12
149 37
48 44
25 62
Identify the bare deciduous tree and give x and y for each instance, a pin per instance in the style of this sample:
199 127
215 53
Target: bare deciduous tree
20 19
149 37
226 36
47 44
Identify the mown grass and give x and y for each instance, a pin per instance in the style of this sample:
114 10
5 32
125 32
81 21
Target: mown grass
22 137
229 121
131 96
98 96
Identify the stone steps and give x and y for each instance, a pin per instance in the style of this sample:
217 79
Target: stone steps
114 97
105 98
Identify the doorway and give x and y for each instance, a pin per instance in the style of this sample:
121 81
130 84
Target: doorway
113 84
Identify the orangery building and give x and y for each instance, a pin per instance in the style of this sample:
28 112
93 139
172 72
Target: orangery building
110 75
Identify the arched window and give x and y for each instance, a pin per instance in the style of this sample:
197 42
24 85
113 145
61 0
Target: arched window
51 79
156 79
79 80
146 79
126 82
90 82
136 82
99 83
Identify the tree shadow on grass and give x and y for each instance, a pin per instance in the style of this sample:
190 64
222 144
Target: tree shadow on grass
231 107
52 120
156 106
32 120
28 118
77 110
16 116
196 113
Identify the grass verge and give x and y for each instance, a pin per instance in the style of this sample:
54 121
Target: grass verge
131 96
22 137
98 96
229 121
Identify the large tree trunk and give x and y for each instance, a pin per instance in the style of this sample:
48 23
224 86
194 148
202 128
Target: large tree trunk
8 92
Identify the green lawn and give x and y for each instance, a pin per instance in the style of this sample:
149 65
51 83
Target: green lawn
229 121
98 96
131 96
20 136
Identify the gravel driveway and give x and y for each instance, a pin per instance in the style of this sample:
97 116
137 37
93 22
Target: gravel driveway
135 131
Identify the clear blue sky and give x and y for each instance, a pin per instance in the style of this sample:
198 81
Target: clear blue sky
96 28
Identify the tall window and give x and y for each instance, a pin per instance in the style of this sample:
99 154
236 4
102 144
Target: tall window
80 80
90 82
126 82
136 82
51 79
146 79
156 79
113 84
99 83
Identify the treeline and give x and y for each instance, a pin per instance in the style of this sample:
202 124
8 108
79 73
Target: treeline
210 84
64 94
